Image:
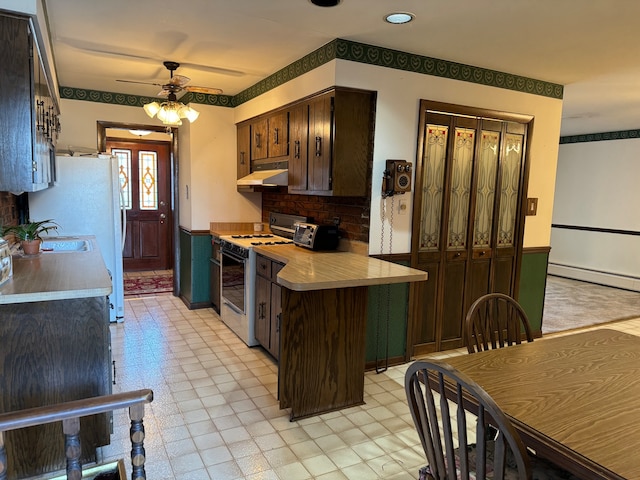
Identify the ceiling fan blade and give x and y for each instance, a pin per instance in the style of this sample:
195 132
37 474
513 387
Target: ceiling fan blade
102 49
179 80
207 90
141 83
142 56
163 93
207 68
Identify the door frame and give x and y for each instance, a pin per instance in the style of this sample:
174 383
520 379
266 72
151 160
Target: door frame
101 127
416 304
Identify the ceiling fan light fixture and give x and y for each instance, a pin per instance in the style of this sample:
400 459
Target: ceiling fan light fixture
189 113
171 112
399 18
152 108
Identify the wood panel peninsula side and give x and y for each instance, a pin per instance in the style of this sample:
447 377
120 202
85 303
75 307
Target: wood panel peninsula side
324 317
54 333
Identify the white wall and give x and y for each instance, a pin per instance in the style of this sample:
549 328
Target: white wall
212 172
399 95
300 87
208 146
207 156
597 187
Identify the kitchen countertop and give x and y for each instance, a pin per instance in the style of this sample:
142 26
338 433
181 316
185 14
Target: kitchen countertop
307 270
57 276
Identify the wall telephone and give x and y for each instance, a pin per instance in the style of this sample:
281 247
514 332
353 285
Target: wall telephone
396 178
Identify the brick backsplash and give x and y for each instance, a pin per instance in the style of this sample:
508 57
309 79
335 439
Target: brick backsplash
353 212
8 209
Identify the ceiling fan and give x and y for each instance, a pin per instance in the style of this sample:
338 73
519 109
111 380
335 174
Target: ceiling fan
177 83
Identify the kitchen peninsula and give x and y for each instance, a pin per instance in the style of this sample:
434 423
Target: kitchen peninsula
54 332
322 330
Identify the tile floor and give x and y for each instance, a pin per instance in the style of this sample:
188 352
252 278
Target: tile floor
215 414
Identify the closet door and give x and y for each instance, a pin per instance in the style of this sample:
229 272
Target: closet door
467 231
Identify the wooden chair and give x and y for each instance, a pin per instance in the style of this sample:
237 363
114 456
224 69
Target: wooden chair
427 385
69 413
440 398
495 320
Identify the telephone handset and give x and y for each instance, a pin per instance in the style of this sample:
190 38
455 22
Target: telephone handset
396 178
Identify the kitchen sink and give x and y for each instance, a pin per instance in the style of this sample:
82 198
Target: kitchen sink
65 244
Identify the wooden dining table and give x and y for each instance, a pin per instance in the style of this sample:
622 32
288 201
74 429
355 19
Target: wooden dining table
575 399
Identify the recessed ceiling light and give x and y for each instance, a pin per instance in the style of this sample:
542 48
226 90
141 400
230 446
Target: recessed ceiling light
325 3
399 18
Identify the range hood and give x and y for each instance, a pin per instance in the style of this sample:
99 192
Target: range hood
266 178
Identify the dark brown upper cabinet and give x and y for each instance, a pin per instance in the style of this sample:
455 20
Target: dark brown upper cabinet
28 114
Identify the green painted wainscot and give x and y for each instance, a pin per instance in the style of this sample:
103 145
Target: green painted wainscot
533 281
394 299
195 252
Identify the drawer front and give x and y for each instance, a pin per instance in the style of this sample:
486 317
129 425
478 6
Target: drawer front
275 269
263 266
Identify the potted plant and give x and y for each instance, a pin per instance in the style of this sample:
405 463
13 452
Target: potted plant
28 234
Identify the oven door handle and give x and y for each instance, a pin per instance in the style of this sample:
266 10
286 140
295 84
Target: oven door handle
233 256
232 307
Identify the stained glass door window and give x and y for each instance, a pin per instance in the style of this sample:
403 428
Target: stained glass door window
435 154
509 189
486 188
124 175
148 165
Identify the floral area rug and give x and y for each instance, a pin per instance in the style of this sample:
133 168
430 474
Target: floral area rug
148 284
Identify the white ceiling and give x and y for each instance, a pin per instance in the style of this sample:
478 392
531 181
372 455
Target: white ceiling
590 46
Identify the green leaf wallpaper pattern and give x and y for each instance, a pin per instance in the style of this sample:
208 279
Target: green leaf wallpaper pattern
343 50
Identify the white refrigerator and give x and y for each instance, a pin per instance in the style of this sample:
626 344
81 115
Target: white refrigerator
85 200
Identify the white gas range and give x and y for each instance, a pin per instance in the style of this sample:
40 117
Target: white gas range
238 272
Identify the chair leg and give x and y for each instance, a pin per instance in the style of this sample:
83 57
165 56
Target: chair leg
72 447
3 458
136 433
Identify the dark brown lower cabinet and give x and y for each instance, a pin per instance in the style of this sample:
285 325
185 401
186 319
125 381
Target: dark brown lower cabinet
322 355
52 352
268 304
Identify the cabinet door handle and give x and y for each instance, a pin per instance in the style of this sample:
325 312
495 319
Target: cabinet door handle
114 371
241 158
296 149
318 146
278 318
275 136
258 140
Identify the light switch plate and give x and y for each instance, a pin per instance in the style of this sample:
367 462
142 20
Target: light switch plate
532 206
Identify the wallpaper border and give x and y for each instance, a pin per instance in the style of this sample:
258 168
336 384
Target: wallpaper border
342 50
600 137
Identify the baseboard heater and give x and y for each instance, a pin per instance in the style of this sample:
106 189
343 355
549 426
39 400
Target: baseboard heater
616 280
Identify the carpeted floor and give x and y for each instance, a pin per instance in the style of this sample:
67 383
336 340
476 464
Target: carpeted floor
573 304
147 283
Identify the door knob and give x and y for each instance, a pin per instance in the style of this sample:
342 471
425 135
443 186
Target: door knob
163 216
